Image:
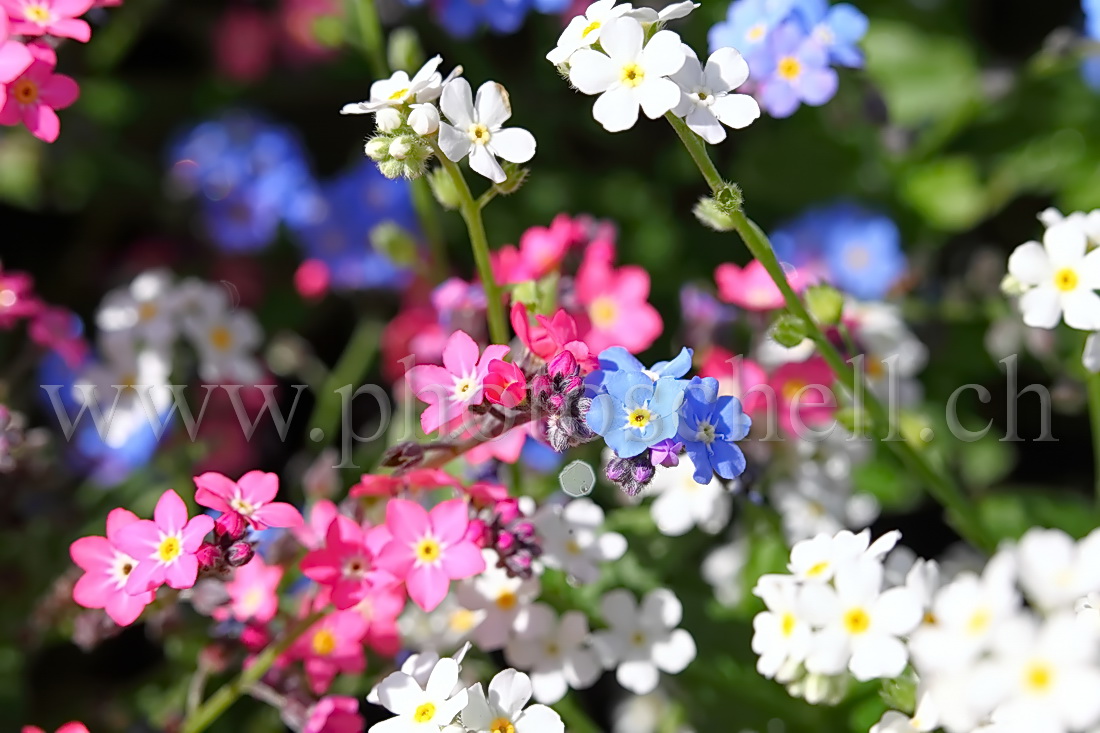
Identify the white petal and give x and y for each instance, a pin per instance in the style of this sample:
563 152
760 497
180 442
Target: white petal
1065 242
657 96
618 606
443 679
642 15
457 103
573 629
427 70
829 652
704 124
677 10
454 143
549 686
898 611
514 144
877 656
664 54
726 70
1030 264
539 719
591 71
1089 270
448 710
672 515
690 75
1082 310
1041 307
482 161
674 653
638 676
661 609
582 668
509 691
612 546
492 105
477 714
355 108
736 110
622 39
399 693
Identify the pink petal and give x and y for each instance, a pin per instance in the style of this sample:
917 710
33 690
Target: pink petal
59 91
71 8
42 122
428 586
93 590
15 58
182 573
429 382
45 58
346 594
343 531
92 553
117 520
259 487
395 558
450 520
322 566
124 608
377 538
463 560
10 111
139 539
407 520
278 514
73 726
492 351
460 354
214 490
5 28
78 30
146 576
195 531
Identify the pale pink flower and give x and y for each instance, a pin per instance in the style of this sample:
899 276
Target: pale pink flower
311 532
331 646
615 301
35 94
106 570
540 252
736 375
453 388
165 547
550 336
334 714
70 727
252 591
804 389
429 550
251 496
751 287
346 563
49 17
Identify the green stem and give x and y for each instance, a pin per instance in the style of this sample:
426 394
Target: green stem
352 367
228 693
370 29
1093 384
962 512
471 214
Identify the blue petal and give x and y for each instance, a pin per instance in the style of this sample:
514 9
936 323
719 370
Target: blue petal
626 442
668 395
677 367
727 459
700 456
847 23
618 359
604 414
633 389
733 423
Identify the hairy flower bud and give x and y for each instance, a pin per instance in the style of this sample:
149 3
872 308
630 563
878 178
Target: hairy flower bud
507 510
388 119
424 119
563 364
376 147
230 525
400 148
239 553
208 555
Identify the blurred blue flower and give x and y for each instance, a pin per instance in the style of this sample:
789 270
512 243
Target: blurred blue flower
838 29
540 457
463 18
339 234
747 25
1092 18
793 70
710 427
636 412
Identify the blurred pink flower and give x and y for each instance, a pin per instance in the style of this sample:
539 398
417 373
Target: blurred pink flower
452 388
311 532
751 287
413 481
540 251
244 43
615 301
252 496
803 389
299 20
34 96
165 547
70 727
380 609
505 448
59 330
347 562
17 299
106 571
332 645
49 17
334 714
736 376
311 279
252 591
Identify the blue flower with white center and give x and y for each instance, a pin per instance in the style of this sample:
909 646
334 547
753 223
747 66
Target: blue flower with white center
710 427
636 411
838 29
862 251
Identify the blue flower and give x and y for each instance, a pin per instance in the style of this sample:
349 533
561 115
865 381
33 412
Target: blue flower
863 253
1092 18
636 412
747 25
838 29
710 427
793 70
462 18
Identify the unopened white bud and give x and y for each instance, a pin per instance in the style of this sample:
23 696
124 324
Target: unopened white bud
388 119
1011 287
376 147
424 119
399 148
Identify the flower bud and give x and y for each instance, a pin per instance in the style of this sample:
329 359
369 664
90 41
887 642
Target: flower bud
231 525
525 531
642 473
540 385
477 532
254 638
825 304
424 119
376 147
399 148
617 470
563 364
505 384
507 510
443 188
789 330
506 541
391 168
388 119
239 553
403 455
208 555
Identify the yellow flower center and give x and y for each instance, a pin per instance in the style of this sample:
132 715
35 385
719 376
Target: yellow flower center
25 91
399 94
979 622
507 600
790 68
170 548
756 32
147 311
639 417
552 649
241 506
604 312
37 13
480 134
462 620
817 569
572 547
324 642
787 624
632 75
1065 279
252 600
1038 678
792 388
221 338
930 618
593 26
427 550
464 390
502 725
856 621
424 713
637 638
127 381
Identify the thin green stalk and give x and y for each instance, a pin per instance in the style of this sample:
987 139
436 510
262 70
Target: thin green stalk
479 242
963 513
227 694
1093 384
351 368
370 31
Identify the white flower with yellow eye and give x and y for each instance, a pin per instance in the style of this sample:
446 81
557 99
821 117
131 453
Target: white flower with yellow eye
1060 278
474 128
584 30
145 310
781 635
556 652
399 89
822 556
498 598
1055 571
226 343
683 503
707 102
503 711
573 539
421 709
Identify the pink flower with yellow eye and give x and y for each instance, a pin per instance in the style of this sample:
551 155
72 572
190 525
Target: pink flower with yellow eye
252 496
450 390
333 645
616 302
34 96
164 547
58 18
106 572
751 287
252 591
346 563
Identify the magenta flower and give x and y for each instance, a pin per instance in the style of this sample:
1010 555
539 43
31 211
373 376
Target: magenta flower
616 301
70 727
36 93
49 17
17 299
165 547
452 388
311 532
505 384
251 496
106 572
335 714
59 329
252 591
551 336
346 562
15 58
333 645
429 550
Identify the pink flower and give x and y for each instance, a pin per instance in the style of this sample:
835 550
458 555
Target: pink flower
244 43
333 645
346 562
752 287
551 336
803 389
737 376
59 329
311 532
71 727
335 714
452 388
250 496
34 95
506 448
380 609
505 384
15 58
17 299
615 301
429 550
106 571
411 482
311 279
165 547
49 17
252 591
540 252
299 19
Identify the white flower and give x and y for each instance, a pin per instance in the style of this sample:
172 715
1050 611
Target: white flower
722 570
628 75
1088 223
1061 279
226 342
399 89
500 598
821 557
813 503
443 629
421 709
1088 609
475 129
144 309
924 719
556 652
424 119
860 624
419 667
675 11
706 102
780 635
1054 570
682 503
584 30
642 641
503 711
574 540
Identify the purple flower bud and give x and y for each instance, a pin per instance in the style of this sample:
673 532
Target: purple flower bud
572 384
230 525
525 531
642 473
239 553
208 555
506 541
617 470
563 365
508 510
540 385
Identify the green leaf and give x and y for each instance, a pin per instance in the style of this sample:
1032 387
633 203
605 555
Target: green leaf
1009 515
948 193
